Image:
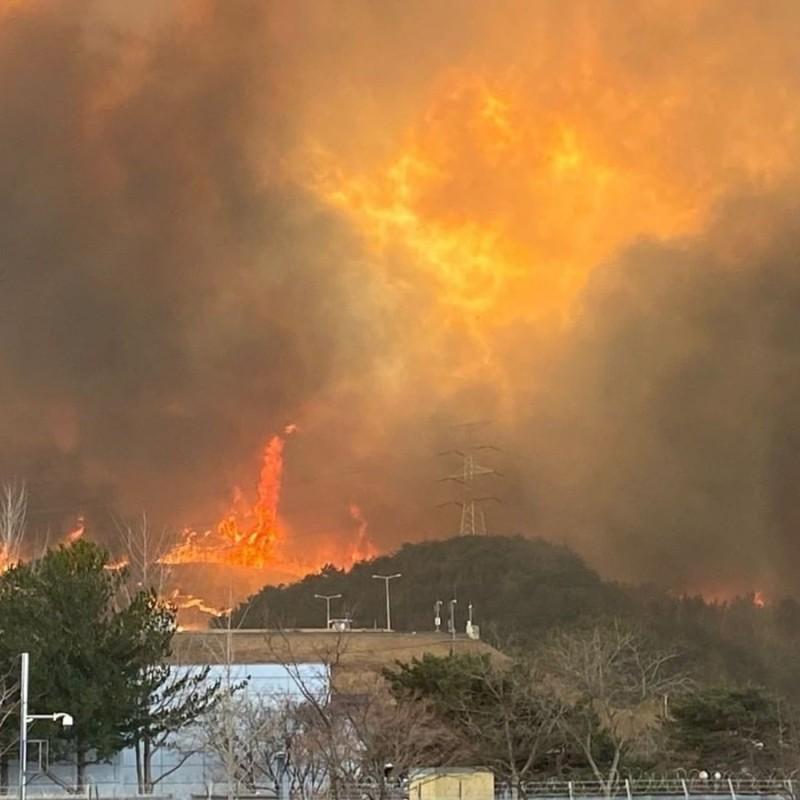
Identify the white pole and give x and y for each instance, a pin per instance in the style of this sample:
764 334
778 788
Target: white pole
23 724
388 608
386 579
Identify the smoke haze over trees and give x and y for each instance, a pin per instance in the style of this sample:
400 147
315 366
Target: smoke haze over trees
526 591
222 217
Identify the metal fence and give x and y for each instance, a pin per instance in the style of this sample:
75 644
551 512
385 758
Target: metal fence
736 788
644 788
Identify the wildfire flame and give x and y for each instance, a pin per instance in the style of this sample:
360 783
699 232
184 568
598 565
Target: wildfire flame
77 532
188 601
363 549
247 534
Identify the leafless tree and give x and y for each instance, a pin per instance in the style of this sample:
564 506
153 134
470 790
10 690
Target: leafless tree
509 717
500 709
223 729
9 711
393 738
356 736
613 687
326 736
13 517
142 551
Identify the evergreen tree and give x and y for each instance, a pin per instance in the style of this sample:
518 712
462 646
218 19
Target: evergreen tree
733 729
96 653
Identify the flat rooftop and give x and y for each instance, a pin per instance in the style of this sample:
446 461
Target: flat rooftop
365 649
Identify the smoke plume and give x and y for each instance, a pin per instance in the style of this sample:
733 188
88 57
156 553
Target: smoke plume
376 221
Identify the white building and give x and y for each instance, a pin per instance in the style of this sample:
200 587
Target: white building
186 770
273 666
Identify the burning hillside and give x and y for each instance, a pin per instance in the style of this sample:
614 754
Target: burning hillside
250 546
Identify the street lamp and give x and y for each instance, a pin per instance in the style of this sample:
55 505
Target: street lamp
327 598
25 719
386 579
452 624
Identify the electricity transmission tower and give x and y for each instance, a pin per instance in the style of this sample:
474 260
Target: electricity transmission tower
473 520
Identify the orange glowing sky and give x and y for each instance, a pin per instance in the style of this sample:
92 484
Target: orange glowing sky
379 219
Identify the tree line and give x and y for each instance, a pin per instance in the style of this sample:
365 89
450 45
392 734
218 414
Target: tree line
598 702
601 703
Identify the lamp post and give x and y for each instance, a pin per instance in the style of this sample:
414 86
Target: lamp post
437 615
453 617
386 579
327 598
25 719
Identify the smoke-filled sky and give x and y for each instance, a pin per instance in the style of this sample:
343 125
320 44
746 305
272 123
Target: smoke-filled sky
576 219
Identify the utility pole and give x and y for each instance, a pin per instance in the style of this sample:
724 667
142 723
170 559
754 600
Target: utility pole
386 579
473 521
25 719
23 724
327 598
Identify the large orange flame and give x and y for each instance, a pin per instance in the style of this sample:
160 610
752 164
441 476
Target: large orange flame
247 534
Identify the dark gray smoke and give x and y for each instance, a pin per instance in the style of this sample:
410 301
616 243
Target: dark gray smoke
669 431
168 298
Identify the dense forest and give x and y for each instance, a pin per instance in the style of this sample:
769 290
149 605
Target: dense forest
524 589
